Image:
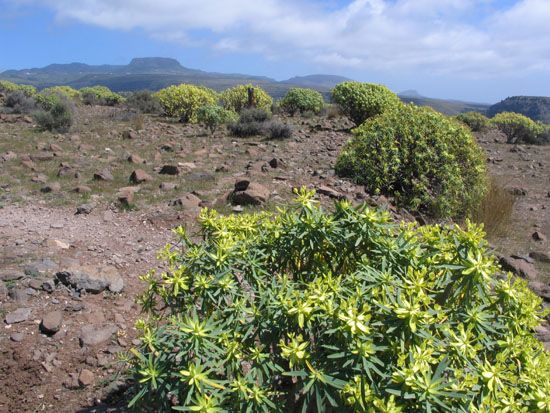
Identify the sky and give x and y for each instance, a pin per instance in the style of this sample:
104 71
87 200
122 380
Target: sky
475 50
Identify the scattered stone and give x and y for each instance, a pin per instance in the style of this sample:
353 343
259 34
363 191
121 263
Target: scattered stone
129 134
17 337
84 209
519 267
44 266
93 335
11 275
104 175
254 194
53 147
56 244
71 382
82 189
168 186
51 323
540 256
539 236
274 163
9 156
541 289
91 279
139 175
242 185
187 202
237 209
135 159
18 316
85 378
170 170
518 191
53 187
331 193
19 295
126 195
65 170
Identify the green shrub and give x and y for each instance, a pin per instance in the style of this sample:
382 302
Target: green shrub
518 128
301 100
476 121
212 116
253 115
58 117
144 102
100 95
7 87
19 102
425 160
361 101
184 100
47 97
315 312
278 130
236 98
246 129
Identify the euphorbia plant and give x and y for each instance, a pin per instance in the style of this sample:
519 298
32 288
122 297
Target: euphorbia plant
305 310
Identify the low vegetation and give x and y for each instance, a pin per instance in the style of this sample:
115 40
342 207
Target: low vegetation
495 210
521 129
100 95
309 311
476 121
361 101
183 101
18 102
212 116
243 97
144 102
57 115
427 161
8 87
302 100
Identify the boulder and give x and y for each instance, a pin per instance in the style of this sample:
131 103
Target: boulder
93 335
254 194
170 170
91 279
139 175
18 316
104 175
51 323
519 267
187 201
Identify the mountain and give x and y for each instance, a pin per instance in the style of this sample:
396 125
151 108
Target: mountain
535 107
327 81
446 106
411 93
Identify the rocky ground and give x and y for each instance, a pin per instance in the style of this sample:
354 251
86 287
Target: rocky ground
83 215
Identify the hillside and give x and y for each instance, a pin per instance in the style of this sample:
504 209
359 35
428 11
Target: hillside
535 107
448 107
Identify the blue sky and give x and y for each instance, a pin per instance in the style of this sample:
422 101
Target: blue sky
478 50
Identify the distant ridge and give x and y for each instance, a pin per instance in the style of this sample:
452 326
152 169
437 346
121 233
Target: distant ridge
328 81
535 107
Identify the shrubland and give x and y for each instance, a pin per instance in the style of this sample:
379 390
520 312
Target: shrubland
476 121
100 95
212 116
236 98
521 129
302 100
304 310
184 100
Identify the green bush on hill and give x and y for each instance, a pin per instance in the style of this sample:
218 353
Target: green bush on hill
100 95
144 102
519 128
361 101
57 115
301 100
476 121
212 116
427 161
236 98
184 100
309 311
49 96
8 87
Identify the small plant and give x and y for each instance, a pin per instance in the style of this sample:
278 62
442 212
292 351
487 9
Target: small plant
58 117
246 129
361 101
334 312
19 102
425 160
243 97
519 128
253 115
495 210
476 121
301 100
183 101
144 102
212 116
278 130
100 95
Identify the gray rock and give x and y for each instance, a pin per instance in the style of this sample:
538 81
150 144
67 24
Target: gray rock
41 267
167 186
93 335
53 187
11 275
254 194
91 279
51 323
540 256
539 236
85 378
19 295
170 170
104 175
17 337
84 209
519 267
18 316
139 175
541 289
187 202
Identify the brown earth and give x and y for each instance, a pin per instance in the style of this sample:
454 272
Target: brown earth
119 230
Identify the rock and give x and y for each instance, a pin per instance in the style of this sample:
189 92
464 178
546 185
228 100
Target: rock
274 163
541 289
187 202
104 175
84 209
82 189
56 244
242 185
72 381
519 267
167 186
19 295
44 266
18 316
51 323
52 147
65 170
540 256
331 193
93 335
39 179
539 236
255 194
126 195
85 378
9 156
3 290
53 187
170 170
543 332
129 134
200 177
91 279
135 159
139 175
17 337
11 275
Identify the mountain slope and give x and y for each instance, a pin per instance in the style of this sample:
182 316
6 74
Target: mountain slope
535 107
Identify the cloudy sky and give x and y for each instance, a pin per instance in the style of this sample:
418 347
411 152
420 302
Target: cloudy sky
478 50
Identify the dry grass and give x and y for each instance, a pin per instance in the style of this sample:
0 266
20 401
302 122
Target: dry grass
495 210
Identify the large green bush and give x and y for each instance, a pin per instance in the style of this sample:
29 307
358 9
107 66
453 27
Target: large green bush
47 97
8 87
184 100
305 310
518 128
361 101
100 95
57 115
476 121
300 100
236 98
425 160
212 116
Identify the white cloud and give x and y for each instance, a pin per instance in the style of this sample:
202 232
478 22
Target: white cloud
468 37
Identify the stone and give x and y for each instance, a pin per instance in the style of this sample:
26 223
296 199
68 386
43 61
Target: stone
39 179
65 170
187 202
55 244
84 209
18 316
82 189
91 279
274 163
19 295
242 185
53 187
11 275
104 175
255 194
139 175
540 256
51 323
519 267
539 236
126 195
93 335
17 337
44 266
9 156
170 170
167 186
541 289
331 193
85 378
135 159
129 134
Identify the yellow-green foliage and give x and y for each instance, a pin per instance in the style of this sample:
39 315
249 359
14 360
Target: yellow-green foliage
361 101
47 97
212 116
236 98
7 87
315 312
302 100
518 128
425 160
100 95
476 121
184 100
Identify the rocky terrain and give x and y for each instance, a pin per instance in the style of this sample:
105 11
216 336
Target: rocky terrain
83 215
